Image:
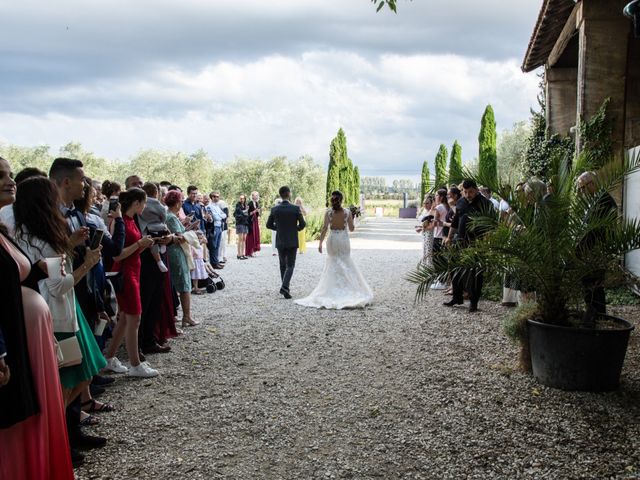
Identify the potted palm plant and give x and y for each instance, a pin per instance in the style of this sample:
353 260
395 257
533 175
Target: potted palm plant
558 246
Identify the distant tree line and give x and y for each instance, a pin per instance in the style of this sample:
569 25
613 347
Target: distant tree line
305 177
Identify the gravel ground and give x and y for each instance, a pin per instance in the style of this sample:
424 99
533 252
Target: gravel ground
269 389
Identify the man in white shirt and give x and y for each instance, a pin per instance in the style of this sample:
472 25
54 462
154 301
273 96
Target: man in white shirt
215 210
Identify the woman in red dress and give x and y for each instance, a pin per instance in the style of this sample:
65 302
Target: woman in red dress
33 432
253 238
132 202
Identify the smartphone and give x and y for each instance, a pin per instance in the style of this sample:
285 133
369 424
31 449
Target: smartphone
96 240
113 204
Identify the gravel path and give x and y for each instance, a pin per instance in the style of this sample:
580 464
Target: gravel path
269 389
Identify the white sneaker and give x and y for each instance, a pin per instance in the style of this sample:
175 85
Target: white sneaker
143 370
114 365
438 286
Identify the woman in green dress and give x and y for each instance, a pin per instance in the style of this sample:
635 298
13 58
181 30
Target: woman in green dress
180 273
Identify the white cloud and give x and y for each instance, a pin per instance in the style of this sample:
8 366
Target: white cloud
395 109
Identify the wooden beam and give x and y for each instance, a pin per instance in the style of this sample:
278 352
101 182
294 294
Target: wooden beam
565 37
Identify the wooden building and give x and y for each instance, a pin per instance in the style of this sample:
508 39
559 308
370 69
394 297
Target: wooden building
589 53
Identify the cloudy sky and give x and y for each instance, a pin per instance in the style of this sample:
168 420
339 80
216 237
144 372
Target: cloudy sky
263 78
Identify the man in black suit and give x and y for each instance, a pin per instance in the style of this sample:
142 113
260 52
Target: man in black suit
287 220
472 204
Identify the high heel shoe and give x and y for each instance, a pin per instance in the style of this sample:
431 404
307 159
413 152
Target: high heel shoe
189 323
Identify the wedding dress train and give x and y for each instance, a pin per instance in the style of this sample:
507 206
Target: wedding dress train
341 284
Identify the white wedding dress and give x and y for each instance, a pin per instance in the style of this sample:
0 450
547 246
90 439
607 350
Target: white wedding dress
341 284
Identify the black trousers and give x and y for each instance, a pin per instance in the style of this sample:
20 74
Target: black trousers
594 295
151 296
472 282
287 257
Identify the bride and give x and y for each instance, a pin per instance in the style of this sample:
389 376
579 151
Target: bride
341 284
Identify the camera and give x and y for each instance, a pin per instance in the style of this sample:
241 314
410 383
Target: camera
113 204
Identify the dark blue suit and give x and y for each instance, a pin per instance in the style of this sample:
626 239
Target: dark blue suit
287 220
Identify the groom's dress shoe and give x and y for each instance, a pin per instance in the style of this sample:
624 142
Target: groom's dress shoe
285 293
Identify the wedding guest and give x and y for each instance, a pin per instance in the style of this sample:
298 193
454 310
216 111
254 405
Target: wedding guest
68 175
199 272
157 322
241 214
96 206
111 192
133 202
6 212
426 227
218 217
441 209
153 221
42 233
486 193
302 234
111 247
253 236
192 208
603 207
453 196
274 233
33 434
133 181
99 288
96 279
178 266
475 204
226 232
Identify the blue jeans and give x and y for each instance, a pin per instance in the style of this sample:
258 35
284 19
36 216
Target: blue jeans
213 243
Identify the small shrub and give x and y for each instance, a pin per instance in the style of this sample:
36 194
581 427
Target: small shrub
515 327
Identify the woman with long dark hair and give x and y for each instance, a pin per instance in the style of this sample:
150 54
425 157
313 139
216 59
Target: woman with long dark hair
41 231
341 284
241 214
127 263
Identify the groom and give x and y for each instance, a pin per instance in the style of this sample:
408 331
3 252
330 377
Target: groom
287 220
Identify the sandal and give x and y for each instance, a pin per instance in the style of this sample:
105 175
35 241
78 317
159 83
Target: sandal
189 323
198 291
89 420
104 407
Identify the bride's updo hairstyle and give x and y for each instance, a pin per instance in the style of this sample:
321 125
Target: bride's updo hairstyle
336 200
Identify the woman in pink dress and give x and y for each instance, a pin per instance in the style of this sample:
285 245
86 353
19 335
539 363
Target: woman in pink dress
36 446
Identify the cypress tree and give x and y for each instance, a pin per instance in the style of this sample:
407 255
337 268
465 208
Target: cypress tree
356 185
425 181
346 177
487 159
441 167
455 164
333 172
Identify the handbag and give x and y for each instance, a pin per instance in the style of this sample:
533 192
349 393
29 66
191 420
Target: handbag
71 353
